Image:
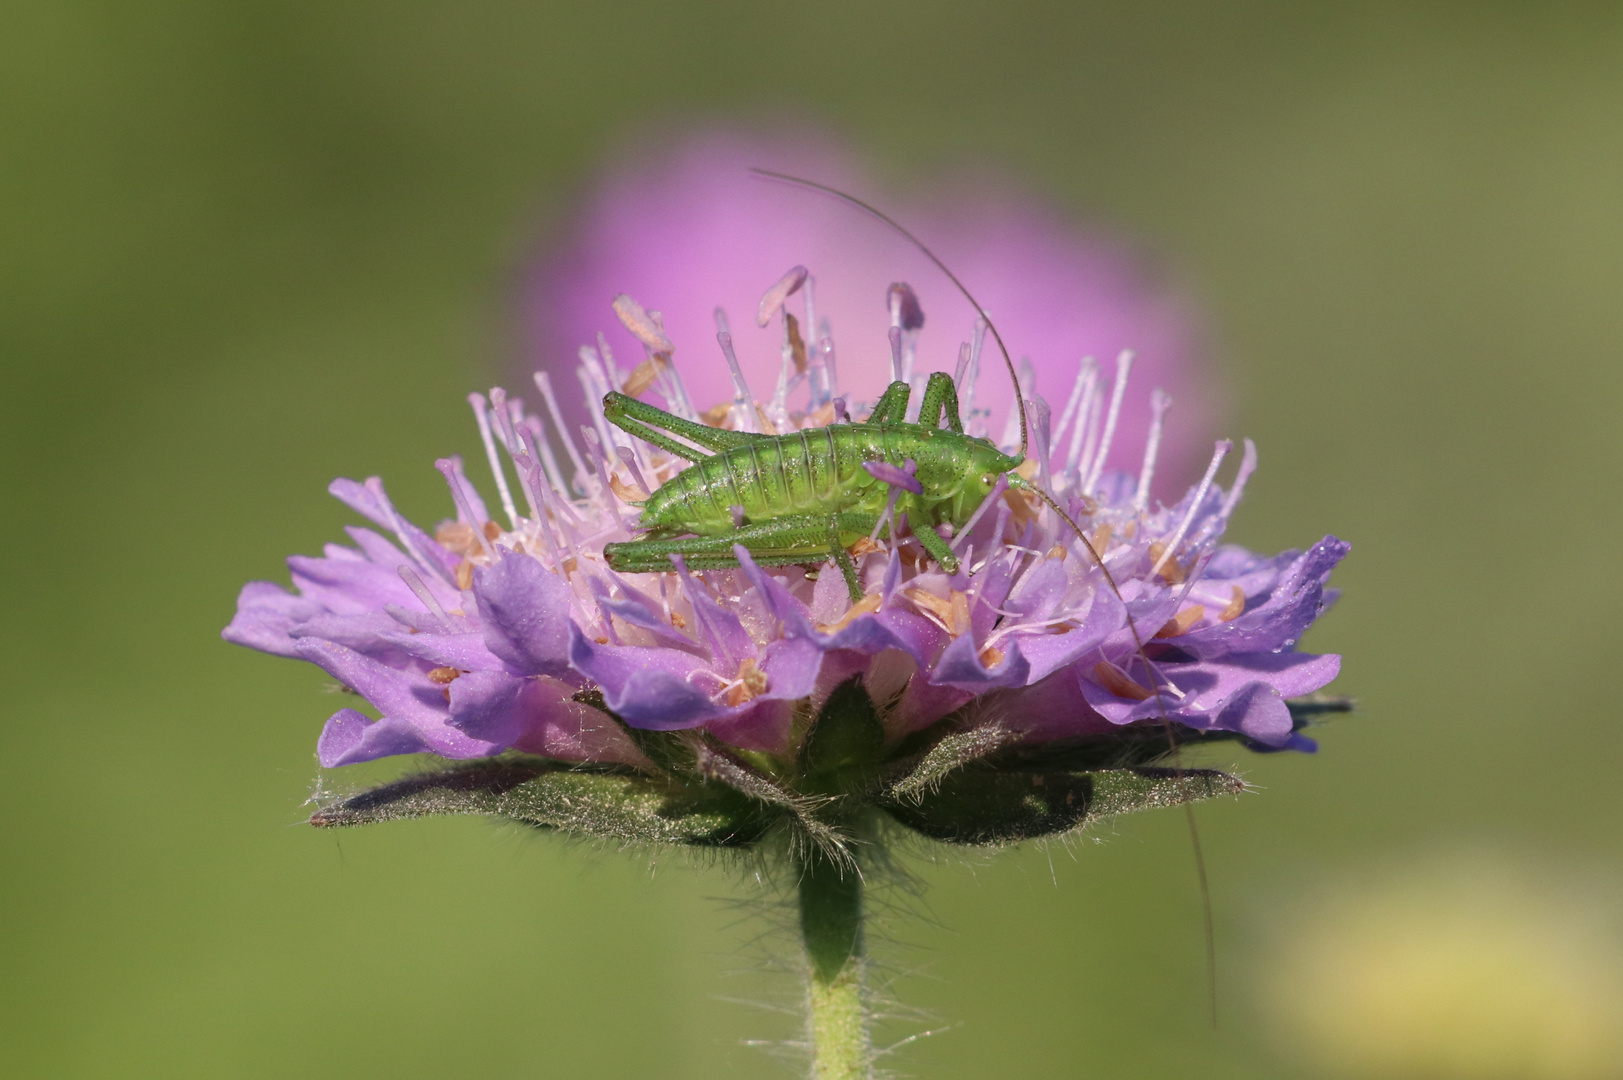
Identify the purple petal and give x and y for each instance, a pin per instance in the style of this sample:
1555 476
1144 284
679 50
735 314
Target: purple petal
405 695
645 687
525 614
1279 622
636 609
349 738
353 586
960 665
1048 652
1257 710
465 652
266 615
370 501
488 705
371 633
1208 687
791 667
719 629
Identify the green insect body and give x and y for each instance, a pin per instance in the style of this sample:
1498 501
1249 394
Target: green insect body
806 495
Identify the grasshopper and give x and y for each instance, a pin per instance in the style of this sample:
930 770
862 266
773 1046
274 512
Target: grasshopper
811 494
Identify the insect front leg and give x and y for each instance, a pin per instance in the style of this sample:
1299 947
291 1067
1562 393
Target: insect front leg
937 547
940 396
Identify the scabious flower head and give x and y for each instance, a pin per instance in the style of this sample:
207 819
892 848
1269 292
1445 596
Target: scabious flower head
691 229
506 628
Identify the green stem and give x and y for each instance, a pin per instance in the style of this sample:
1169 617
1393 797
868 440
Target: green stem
831 925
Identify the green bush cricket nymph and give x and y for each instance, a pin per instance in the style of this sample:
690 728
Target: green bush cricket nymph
810 495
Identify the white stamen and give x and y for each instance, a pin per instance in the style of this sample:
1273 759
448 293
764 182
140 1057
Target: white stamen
610 370
593 382
676 392
992 498
643 328
543 382
629 460
1069 412
1026 379
594 454
496 470
465 498
1248 465
1124 366
1223 447
541 446
416 585
1037 412
743 402
537 483
787 379
375 485
1219 521
781 291
890 510
808 332
895 335
963 365
1160 402
966 386
1087 417
831 384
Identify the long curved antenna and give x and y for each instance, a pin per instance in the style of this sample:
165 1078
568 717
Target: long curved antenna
1172 745
1019 397
1138 640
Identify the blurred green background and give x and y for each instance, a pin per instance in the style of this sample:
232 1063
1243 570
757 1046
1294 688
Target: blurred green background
247 246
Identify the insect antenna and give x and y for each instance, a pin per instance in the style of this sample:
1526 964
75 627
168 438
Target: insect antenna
798 181
1172 746
1138 640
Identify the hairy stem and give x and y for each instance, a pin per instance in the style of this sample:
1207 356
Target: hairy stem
831 926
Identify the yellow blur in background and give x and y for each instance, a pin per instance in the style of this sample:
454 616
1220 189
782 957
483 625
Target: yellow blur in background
1467 965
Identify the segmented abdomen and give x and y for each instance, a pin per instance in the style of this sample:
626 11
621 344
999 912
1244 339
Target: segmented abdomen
803 472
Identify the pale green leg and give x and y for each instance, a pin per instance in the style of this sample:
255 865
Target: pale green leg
937 547
783 542
892 407
634 417
940 397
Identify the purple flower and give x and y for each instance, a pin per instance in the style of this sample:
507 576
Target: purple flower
504 628
694 231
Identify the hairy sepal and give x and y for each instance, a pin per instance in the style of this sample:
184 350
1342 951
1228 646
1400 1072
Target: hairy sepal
610 804
990 807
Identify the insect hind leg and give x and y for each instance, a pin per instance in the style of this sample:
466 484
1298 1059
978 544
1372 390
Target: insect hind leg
783 542
892 406
641 419
940 397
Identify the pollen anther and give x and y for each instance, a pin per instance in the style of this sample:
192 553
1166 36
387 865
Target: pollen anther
1118 682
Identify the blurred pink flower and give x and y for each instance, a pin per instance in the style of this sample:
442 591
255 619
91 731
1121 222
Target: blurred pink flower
691 229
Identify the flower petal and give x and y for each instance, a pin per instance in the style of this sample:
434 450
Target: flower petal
524 612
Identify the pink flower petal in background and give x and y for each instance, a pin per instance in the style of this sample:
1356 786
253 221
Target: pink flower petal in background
690 230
